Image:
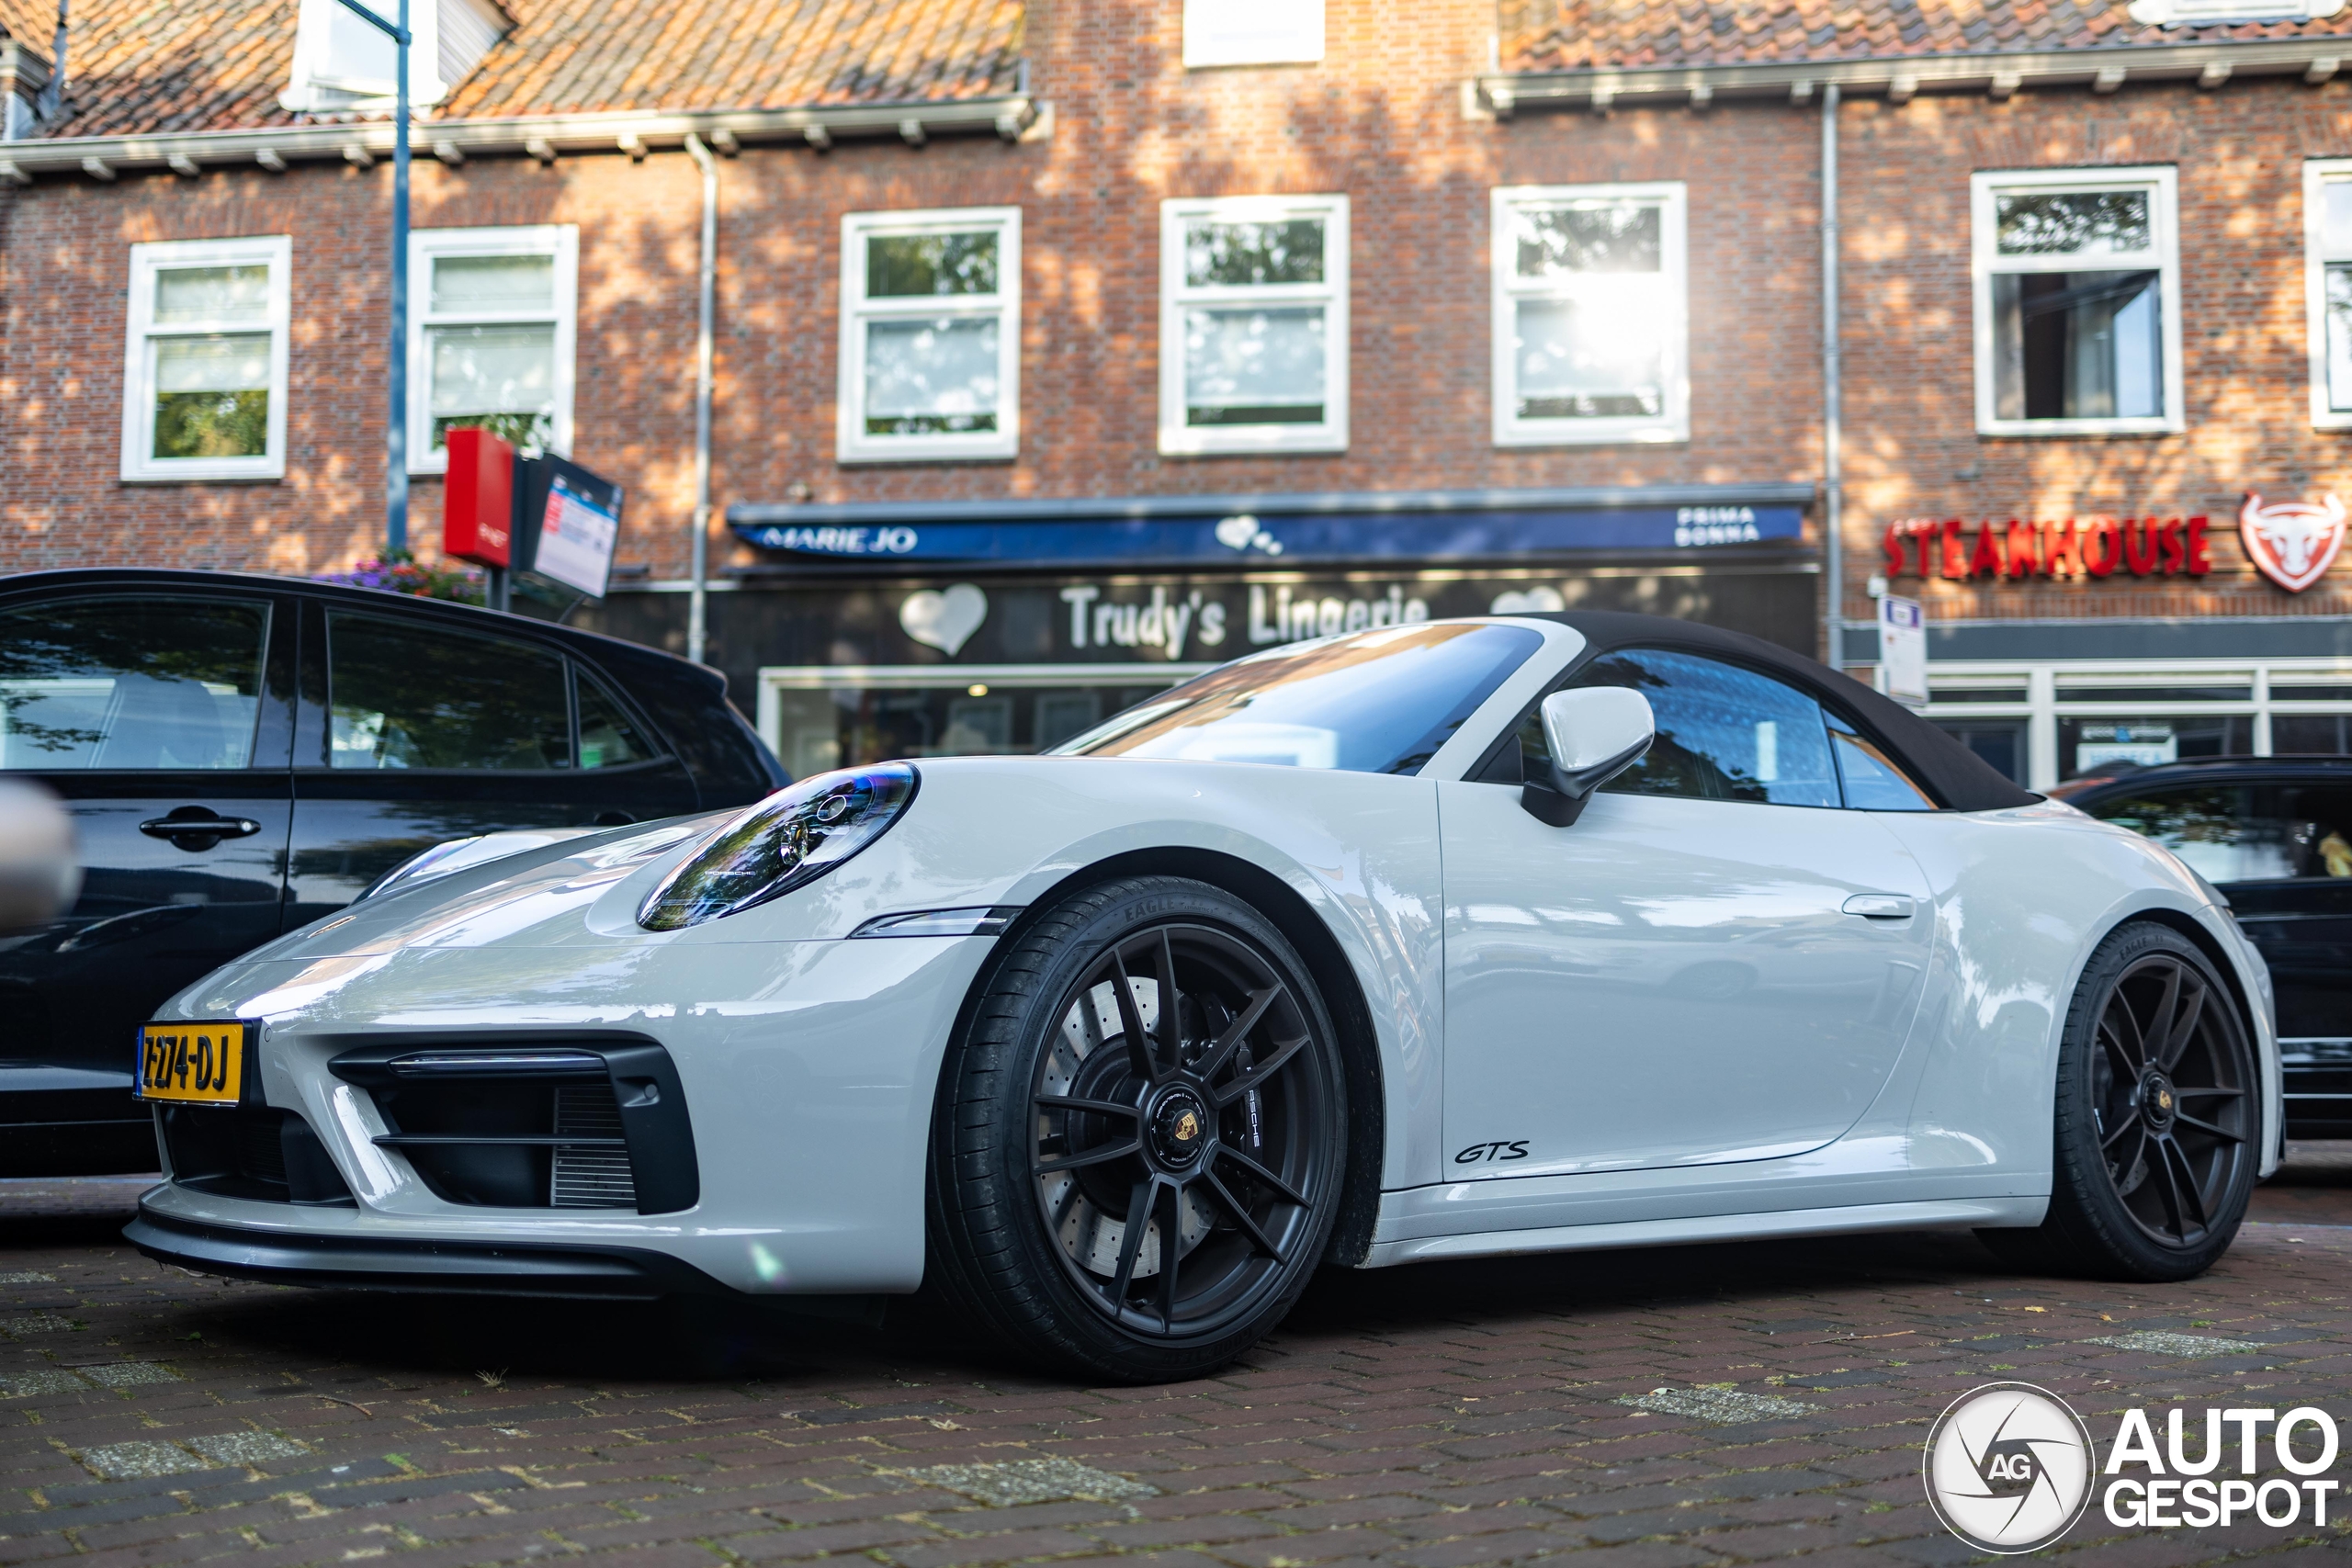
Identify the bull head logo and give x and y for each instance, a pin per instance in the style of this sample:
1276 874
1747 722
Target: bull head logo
2292 543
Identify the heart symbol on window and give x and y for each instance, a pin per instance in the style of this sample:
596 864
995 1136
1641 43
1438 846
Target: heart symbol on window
1236 533
945 621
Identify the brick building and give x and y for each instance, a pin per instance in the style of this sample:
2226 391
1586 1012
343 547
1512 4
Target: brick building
1062 348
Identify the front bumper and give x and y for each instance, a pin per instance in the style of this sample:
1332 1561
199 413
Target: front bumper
408 1263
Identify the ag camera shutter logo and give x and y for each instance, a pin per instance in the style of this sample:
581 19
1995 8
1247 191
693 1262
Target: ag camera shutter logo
2009 1467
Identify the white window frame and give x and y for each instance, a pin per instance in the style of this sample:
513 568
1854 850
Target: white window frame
1178 439
1253 32
852 443
560 240
139 464
2163 258
310 89
2319 174
1673 424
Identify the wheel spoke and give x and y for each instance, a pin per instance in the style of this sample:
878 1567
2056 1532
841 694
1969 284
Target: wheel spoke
2158 1028
1238 1031
2131 1121
2190 1009
1131 1243
1170 1054
2122 1166
1098 1154
1092 1107
2122 1030
2127 1069
1264 1176
2192 1200
2179 1093
1131 1021
2182 1120
1172 1238
2169 1191
1234 1207
1283 1050
1064 1204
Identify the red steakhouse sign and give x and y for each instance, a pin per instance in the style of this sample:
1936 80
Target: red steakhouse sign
2007 550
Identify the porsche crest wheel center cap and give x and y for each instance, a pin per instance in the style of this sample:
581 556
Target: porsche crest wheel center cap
1180 1128
2158 1100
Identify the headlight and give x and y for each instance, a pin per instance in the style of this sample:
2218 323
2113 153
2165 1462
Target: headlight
785 842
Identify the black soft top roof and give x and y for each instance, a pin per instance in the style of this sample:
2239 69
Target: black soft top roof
1957 777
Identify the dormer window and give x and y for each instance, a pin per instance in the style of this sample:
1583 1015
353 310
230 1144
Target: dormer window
342 63
2229 13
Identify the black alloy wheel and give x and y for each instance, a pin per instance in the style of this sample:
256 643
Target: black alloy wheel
2158 1117
2172 1099
1150 1115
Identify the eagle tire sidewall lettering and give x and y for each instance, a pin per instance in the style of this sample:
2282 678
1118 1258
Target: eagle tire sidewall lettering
1485 1153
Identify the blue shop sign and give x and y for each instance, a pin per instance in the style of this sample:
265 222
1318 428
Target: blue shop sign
1262 540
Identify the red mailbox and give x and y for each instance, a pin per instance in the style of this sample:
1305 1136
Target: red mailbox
478 511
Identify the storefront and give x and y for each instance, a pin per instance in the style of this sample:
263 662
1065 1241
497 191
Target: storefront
877 631
2047 698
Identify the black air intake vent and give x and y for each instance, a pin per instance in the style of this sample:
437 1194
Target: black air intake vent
533 1122
257 1152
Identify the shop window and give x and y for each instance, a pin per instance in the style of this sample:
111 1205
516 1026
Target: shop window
2077 302
2089 746
1591 327
493 318
341 63
1252 32
205 371
2000 744
2327 260
1253 325
930 335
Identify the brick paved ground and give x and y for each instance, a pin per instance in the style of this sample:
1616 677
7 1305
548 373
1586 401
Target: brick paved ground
1429 1418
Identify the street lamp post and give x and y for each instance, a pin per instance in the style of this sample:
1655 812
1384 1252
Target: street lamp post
396 421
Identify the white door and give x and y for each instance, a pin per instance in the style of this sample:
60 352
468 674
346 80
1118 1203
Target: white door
1718 962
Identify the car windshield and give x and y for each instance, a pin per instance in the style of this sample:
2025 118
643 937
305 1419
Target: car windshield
1376 702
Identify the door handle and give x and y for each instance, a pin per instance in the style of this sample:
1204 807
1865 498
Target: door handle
193 828
1880 906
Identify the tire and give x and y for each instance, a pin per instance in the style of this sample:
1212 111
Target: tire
1074 1133
2158 1118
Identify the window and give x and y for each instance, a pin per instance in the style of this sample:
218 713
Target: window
343 63
131 683
401 695
2236 833
205 368
930 335
492 317
2327 262
1253 324
1591 313
607 739
1252 32
2077 302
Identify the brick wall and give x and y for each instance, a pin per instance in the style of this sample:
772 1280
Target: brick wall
1383 119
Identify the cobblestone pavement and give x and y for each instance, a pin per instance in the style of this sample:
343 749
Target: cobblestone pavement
1571 1408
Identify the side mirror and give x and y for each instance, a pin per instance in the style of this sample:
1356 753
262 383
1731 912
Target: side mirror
1594 733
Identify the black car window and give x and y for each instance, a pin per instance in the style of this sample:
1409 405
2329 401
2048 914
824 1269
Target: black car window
1724 733
607 739
131 683
403 696
2246 832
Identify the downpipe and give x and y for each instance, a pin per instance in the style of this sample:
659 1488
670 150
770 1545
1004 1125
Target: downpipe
698 595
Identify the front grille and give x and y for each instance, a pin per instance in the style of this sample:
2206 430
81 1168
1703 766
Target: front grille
590 1176
255 1152
521 1123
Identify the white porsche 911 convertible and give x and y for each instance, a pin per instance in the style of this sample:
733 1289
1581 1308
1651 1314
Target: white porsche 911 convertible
1514 934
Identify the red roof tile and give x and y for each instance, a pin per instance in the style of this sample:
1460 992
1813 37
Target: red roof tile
1578 35
137 66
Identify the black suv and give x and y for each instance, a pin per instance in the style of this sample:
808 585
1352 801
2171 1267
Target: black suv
2274 834
244 754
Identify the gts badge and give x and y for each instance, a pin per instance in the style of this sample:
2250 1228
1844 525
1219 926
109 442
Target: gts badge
1480 1153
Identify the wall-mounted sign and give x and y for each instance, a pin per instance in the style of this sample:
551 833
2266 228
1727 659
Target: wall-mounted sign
2007 550
1902 650
2292 542
568 520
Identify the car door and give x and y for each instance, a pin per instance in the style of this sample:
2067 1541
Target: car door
2281 852
413 731
1718 961
162 718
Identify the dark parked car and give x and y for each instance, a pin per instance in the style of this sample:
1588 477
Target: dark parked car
244 754
2274 833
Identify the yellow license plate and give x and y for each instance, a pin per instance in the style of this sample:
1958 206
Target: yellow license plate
198 1063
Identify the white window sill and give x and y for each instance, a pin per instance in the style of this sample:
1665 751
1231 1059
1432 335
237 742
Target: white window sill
1247 441
928 449
2033 427
2333 419
202 470
1591 433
